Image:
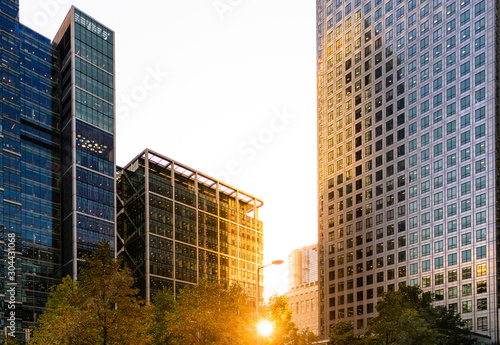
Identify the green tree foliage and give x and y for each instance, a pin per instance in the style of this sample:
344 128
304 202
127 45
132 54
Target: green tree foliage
8 340
401 318
279 313
212 313
208 313
306 337
61 323
285 332
451 328
163 313
342 333
406 317
101 308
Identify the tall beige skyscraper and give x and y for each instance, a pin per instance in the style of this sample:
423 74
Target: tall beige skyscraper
303 287
408 176
302 266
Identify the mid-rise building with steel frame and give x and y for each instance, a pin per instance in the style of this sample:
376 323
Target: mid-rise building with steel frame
177 225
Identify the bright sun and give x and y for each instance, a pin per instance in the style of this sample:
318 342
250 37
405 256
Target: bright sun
265 328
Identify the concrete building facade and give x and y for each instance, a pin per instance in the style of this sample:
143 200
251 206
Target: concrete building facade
408 179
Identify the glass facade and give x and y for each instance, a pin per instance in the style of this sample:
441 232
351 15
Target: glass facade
407 137
40 238
87 137
176 226
38 126
30 206
29 163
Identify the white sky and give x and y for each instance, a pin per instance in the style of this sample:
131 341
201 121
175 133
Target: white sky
227 87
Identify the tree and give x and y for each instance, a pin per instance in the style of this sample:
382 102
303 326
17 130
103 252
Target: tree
306 337
400 318
8 340
163 315
342 333
60 324
451 328
285 331
217 314
279 313
407 317
101 308
208 313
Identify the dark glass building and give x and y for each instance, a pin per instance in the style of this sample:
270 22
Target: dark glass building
57 101
87 136
177 225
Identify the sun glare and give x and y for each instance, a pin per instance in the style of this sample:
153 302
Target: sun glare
265 328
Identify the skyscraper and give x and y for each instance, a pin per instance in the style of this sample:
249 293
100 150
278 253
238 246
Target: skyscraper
303 287
87 137
408 170
57 100
177 225
302 266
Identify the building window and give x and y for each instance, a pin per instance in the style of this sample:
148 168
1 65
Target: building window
466 307
466 222
413 253
452 226
480 217
468 324
466 290
439 279
481 287
426 265
452 259
452 292
481 270
482 304
466 256
467 272
481 235
482 323
466 239
480 131
452 243
481 183
438 262
481 252
438 230
438 246
480 148
426 234
452 276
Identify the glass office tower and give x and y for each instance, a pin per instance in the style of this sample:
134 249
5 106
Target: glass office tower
408 170
177 225
87 137
29 187
40 81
